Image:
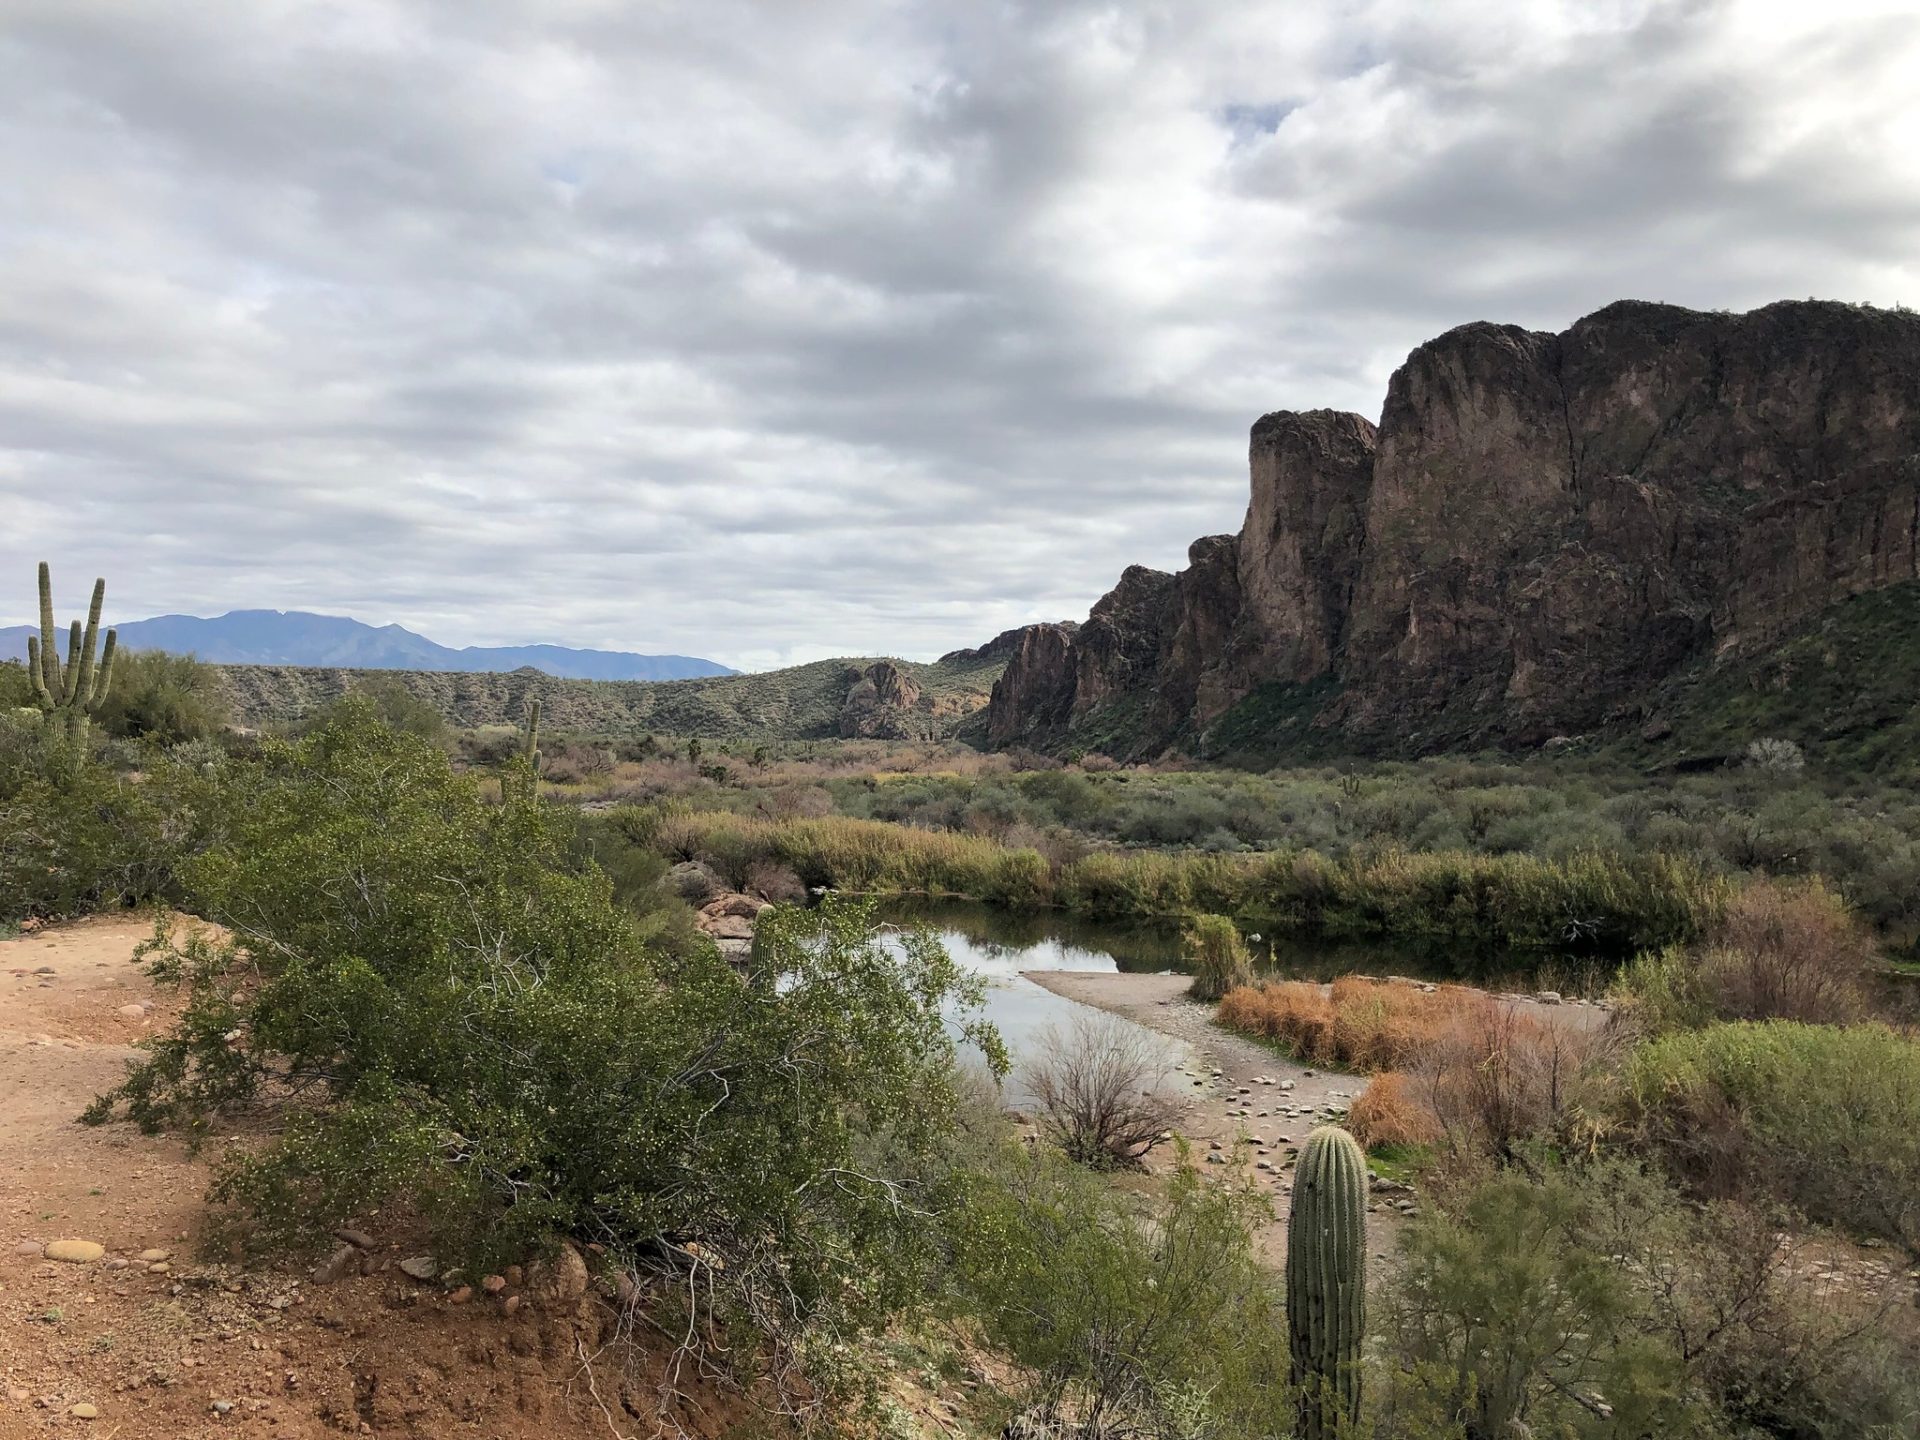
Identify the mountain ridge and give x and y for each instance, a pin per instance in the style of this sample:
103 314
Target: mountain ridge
1541 531
309 639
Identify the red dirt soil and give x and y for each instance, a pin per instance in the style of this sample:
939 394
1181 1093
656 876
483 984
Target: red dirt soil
206 1349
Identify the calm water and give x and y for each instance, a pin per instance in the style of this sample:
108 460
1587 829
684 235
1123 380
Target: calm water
1026 1015
1000 944
1012 941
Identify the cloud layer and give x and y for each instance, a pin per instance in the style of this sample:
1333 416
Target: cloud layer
768 331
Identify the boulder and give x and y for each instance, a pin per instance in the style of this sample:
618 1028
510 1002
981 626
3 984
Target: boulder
694 881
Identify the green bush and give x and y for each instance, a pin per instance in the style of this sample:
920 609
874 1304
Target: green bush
1592 1300
1823 1117
1214 952
1509 1317
164 698
1135 1320
476 1028
77 837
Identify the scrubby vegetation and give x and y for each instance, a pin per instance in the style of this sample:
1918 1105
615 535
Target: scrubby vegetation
1689 1213
1596 903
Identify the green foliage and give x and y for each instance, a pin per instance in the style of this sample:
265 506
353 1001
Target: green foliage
1327 1281
16 689
1511 1311
165 698
1137 1321
1216 955
1603 904
76 837
476 1027
393 702
1826 1118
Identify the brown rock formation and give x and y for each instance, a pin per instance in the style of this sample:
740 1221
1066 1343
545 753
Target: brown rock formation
1542 528
883 704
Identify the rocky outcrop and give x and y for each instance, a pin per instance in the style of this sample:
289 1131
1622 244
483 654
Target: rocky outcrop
1542 528
1002 647
883 703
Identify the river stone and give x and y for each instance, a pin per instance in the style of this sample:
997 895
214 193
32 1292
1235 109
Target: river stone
75 1252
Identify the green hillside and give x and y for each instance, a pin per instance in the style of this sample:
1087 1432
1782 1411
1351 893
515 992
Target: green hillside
800 702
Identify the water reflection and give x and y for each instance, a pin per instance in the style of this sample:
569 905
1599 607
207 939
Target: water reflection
1027 1016
1008 941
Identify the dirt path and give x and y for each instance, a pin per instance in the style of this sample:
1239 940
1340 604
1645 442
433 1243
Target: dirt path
1243 1093
150 1339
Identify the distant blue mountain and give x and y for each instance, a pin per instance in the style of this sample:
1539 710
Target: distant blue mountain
293 637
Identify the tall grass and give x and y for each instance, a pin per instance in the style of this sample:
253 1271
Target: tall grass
1353 1024
1605 904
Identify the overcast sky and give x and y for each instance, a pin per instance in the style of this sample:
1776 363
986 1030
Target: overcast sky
771 331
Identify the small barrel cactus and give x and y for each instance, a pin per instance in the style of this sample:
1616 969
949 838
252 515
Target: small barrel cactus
1327 1280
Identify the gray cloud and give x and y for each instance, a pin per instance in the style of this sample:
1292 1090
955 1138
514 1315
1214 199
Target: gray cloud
771 331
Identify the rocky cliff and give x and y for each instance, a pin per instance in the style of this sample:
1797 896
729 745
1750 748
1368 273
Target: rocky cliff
1541 530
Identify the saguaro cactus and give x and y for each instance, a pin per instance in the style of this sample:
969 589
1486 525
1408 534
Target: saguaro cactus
1327 1280
530 745
523 780
72 691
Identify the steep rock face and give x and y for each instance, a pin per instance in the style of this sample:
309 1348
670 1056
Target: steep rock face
1032 701
881 704
1299 548
1540 530
1556 522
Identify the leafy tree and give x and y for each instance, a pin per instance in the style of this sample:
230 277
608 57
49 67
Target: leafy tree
16 689
393 703
473 1024
1134 1320
168 698
1510 1318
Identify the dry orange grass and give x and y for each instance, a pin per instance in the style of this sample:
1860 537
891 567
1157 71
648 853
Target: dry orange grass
1457 1065
1355 1024
1388 1114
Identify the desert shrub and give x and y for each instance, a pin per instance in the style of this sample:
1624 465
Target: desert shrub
1150 1322
1212 949
776 882
393 704
1776 757
1387 1113
1514 1314
1103 1090
162 697
467 1021
1823 1117
1494 1077
76 837
1785 950
16 688
1452 1063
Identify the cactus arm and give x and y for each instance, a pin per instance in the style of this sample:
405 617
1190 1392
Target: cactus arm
49 655
103 679
40 692
83 682
70 672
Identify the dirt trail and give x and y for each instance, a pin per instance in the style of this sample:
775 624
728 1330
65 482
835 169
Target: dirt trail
1258 1097
175 1346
